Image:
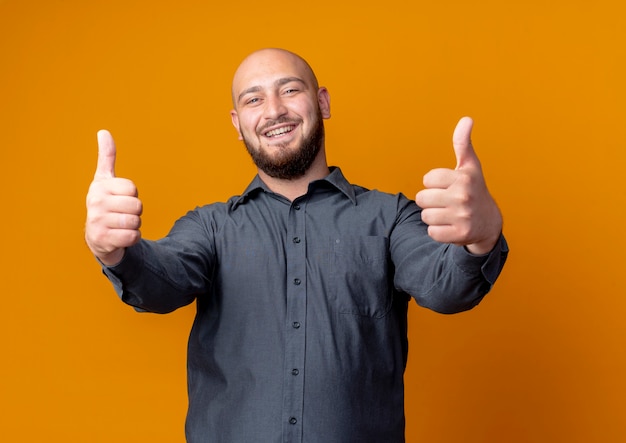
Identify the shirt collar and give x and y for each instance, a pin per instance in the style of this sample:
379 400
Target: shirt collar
335 178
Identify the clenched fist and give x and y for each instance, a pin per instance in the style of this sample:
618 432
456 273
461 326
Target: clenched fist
113 208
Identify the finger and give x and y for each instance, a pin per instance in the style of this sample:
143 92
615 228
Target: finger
124 205
435 216
122 221
440 178
106 155
432 198
113 195
111 221
122 186
123 238
462 142
443 233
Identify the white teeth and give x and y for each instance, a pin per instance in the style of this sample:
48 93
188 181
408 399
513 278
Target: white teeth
279 131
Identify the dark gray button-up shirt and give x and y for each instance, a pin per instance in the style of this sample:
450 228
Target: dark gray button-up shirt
301 326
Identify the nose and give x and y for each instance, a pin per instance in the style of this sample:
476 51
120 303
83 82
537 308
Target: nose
274 108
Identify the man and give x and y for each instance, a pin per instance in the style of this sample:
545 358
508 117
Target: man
302 283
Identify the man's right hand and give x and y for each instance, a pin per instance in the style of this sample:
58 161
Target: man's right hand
113 208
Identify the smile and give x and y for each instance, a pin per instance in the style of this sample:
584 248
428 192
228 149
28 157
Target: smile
279 131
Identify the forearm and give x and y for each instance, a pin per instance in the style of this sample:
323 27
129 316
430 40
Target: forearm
449 279
156 278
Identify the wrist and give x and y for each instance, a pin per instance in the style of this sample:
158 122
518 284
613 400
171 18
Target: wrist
112 258
482 247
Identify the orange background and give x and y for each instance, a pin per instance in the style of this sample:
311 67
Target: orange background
541 360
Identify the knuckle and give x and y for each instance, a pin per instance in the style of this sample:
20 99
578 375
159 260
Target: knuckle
132 237
94 199
464 198
129 187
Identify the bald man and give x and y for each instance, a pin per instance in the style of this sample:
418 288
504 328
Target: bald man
302 282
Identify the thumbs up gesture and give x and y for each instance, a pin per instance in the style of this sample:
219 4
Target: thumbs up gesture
456 204
113 208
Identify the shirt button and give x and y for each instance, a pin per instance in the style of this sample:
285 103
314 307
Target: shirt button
294 372
293 420
296 281
296 239
296 207
296 325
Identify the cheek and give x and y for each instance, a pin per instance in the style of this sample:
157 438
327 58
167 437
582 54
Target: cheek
247 125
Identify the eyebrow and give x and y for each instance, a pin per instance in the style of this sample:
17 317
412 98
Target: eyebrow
279 82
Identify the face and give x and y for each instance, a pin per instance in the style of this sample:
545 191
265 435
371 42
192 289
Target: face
279 112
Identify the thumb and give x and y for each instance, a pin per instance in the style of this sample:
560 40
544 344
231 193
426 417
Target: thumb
106 155
462 142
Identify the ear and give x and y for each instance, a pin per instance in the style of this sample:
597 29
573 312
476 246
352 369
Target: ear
234 117
323 98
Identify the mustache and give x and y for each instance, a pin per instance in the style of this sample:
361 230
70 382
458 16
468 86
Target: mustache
279 121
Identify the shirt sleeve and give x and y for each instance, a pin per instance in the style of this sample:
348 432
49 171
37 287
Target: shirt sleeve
164 275
442 277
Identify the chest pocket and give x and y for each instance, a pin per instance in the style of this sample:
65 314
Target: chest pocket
360 275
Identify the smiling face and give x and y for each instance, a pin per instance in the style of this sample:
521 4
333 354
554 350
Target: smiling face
279 112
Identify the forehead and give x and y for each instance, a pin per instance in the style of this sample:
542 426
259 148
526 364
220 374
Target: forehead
263 68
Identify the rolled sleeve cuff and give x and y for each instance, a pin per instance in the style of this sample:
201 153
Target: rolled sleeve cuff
490 264
125 272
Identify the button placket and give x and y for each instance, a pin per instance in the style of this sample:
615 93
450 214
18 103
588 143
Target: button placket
293 397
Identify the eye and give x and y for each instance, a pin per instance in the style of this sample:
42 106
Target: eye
290 91
252 101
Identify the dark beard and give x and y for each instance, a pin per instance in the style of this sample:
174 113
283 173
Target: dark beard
289 165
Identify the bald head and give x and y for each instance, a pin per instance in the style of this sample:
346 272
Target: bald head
266 61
